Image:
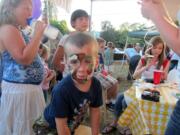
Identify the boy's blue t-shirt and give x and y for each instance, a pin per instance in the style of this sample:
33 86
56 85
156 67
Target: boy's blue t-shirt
71 103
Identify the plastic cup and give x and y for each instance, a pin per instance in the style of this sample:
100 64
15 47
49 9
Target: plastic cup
50 31
157 76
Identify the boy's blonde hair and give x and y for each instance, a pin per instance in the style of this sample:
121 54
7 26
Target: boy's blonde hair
81 39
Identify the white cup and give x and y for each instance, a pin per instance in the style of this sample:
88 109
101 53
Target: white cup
50 31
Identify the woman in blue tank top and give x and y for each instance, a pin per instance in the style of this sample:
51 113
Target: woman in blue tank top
22 99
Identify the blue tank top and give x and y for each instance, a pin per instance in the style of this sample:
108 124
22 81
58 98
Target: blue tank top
17 73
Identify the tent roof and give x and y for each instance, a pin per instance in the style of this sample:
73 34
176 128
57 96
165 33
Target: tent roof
142 33
66 4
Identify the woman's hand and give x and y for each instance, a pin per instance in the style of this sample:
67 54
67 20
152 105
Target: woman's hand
153 8
151 62
39 28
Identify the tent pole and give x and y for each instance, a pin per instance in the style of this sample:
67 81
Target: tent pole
90 20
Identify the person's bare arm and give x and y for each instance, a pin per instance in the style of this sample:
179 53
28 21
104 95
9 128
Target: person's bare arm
139 69
169 31
95 120
50 76
13 42
155 10
62 127
166 70
58 58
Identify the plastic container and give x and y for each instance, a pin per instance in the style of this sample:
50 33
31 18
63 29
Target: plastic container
50 31
157 76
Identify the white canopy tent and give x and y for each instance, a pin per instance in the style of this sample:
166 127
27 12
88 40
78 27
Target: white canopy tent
65 4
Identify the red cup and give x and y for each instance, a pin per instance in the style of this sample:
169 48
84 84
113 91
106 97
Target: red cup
157 76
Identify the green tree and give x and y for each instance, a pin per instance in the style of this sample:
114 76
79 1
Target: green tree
120 36
108 32
125 28
61 25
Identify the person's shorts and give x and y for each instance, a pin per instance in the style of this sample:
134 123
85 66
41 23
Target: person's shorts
106 81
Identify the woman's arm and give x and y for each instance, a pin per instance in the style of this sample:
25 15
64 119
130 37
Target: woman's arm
13 41
139 69
156 11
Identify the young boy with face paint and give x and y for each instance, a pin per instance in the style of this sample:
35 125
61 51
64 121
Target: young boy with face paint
78 91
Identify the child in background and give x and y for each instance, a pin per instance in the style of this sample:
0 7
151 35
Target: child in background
108 82
79 90
48 73
109 57
101 43
147 65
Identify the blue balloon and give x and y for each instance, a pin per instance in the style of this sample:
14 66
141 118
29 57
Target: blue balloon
36 12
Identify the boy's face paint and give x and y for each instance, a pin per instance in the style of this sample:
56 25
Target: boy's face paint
81 67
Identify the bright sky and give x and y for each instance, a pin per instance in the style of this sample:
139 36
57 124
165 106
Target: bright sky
115 11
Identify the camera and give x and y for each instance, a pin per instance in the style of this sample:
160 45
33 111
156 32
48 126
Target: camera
151 95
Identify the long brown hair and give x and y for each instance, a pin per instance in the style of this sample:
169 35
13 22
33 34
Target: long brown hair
155 41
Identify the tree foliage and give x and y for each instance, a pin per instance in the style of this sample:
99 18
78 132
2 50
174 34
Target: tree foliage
120 36
108 32
61 25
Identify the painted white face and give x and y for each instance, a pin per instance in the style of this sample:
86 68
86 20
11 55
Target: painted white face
81 63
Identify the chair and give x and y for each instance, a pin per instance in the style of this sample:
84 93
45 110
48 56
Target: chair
173 76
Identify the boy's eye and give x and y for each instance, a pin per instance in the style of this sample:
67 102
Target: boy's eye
74 62
88 61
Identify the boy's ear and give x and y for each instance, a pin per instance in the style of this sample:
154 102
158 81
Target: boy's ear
73 24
